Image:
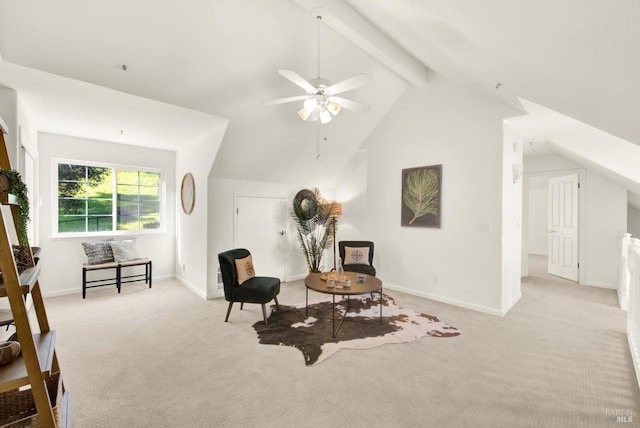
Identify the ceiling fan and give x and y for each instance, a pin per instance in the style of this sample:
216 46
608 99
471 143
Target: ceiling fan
321 101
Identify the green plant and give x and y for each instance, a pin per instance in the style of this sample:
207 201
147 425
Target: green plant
311 214
19 190
421 193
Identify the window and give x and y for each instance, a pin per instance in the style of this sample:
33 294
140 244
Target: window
99 198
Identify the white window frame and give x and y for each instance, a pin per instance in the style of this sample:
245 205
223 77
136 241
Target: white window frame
54 200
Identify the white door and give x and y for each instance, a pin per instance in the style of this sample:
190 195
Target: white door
260 227
563 226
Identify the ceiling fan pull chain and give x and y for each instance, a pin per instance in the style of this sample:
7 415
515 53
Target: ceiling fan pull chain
318 137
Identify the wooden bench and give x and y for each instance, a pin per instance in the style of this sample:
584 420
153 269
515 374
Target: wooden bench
119 279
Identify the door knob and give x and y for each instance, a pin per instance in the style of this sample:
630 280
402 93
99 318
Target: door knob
553 231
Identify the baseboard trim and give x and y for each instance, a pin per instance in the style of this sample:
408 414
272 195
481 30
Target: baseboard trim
506 310
455 302
633 336
296 277
623 301
192 287
64 292
215 295
600 285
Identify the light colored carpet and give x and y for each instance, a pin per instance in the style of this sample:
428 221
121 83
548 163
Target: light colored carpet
165 358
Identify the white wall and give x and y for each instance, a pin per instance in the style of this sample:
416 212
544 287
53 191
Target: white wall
538 219
633 221
511 217
550 165
61 258
352 193
460 262
9 113
192 260
604 218
28 136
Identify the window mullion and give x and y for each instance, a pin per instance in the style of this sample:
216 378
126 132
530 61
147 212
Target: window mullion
114 200
139 203
86 199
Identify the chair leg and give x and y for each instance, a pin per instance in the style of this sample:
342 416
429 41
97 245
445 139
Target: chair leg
241 305
275 299
228 312
264 314
84 283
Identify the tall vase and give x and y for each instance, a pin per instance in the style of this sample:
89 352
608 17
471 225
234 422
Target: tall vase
339 271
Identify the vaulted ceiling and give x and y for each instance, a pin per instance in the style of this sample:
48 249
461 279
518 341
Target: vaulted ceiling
220 58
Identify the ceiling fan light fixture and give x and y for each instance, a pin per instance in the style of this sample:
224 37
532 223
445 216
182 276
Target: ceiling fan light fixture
310 104
304 114
325 116
320 102
333 108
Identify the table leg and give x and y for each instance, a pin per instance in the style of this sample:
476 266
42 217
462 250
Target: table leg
333 316
381 305
344 316
306 304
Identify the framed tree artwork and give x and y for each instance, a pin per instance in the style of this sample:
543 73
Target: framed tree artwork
421 196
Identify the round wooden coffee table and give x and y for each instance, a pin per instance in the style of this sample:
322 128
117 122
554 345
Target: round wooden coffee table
370 285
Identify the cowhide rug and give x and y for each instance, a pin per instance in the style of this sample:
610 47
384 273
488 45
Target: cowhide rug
312 335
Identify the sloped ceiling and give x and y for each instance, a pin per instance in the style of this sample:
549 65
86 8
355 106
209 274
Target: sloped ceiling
220 57
578 57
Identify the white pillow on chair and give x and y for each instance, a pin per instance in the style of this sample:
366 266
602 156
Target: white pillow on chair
356 255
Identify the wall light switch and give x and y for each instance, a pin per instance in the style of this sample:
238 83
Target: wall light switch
486 227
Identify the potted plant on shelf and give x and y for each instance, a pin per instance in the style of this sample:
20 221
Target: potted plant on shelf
311 214
11 182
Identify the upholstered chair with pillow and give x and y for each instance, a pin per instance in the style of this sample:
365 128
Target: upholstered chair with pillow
242 285
357 256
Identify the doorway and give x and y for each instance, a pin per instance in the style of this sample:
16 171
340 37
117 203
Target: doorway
260 227
538 214
562 232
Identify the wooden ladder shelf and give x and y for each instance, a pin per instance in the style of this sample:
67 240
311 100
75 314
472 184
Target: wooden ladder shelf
37 366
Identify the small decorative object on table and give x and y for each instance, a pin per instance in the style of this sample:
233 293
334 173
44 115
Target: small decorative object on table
9 351
327 275
360 278
339 276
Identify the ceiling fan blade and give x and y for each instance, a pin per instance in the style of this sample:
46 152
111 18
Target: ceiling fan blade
295 78
285 100
351 105
348 84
